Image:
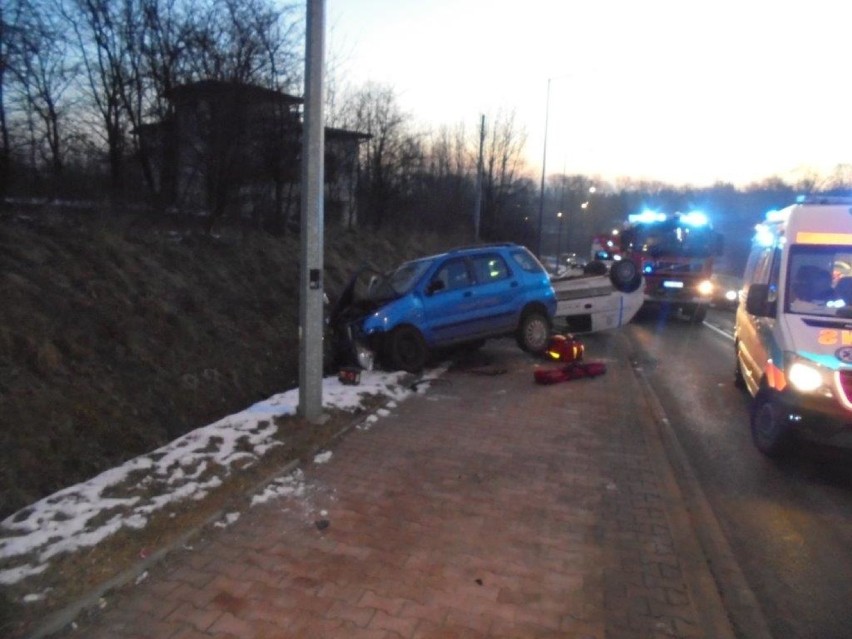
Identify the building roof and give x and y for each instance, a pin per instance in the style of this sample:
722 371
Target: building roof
214 88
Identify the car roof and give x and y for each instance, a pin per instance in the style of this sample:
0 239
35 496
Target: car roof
468 250
479 248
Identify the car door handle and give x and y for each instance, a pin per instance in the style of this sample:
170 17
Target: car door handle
468 293
587 306
514 285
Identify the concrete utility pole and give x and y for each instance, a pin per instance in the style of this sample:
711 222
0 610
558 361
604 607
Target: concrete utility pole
311 256
477 207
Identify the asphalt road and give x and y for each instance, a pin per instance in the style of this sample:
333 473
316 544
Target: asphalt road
789 524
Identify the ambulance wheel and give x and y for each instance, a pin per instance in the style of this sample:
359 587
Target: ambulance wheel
407 350
625 277
533 332
739 380
769 430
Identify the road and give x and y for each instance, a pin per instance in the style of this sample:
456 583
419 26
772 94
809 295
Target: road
789 524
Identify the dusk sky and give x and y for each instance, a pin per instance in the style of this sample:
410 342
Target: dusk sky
675 90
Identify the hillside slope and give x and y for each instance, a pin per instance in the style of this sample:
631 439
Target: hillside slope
115 339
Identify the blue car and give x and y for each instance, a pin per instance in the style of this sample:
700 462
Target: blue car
464 296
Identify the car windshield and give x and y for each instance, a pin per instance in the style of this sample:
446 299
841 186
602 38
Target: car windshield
671 238
819 280
403 279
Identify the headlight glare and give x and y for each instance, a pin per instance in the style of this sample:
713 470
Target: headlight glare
804 377
705 287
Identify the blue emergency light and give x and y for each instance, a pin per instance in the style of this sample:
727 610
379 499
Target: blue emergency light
694 218
646 217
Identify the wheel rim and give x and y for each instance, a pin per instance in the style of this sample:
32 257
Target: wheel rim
536 334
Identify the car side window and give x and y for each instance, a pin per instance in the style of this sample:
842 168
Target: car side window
526 261
453 274
489 268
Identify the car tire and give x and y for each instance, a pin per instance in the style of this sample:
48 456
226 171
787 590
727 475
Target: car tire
595 267
769 432
533 332
739 379
407 350
699 312
625 276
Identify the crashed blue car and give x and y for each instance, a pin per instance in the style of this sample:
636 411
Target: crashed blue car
461 297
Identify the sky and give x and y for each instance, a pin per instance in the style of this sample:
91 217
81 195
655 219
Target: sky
672 90
74 517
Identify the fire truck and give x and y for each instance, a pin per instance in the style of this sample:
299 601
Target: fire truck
675 254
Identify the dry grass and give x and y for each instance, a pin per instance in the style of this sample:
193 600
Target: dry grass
114 342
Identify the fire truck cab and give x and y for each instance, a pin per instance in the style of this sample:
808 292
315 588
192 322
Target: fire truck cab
675 254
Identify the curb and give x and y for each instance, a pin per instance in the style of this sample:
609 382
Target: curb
732 608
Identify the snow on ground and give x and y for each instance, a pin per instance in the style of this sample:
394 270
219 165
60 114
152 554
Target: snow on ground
187 468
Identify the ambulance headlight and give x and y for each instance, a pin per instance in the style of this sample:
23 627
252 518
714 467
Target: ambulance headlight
705 288
804 377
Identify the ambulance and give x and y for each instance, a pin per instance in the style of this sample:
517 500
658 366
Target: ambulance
793 334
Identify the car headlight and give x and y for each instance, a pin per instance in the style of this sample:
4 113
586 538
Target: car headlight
366 358
705 287
806 376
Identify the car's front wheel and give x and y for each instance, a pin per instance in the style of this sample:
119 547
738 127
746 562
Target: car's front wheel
739 378
407 350
769 430
698 313
533 332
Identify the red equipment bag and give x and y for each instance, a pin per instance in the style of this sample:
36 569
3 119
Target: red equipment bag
564 348
574 370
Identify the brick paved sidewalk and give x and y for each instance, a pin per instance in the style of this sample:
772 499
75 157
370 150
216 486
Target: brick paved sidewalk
488 506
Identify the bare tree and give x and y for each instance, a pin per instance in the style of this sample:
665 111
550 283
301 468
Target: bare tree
44 74
503 164
10 18
447 184
104 52
374 110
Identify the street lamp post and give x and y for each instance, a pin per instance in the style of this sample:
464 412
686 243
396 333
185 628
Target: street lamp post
543 164
558 239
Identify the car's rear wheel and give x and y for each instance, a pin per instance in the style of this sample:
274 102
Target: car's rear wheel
533 332
769 430
407 350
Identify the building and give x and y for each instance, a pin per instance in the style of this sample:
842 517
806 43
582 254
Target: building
233 150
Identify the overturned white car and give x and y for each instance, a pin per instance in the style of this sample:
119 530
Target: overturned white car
598 297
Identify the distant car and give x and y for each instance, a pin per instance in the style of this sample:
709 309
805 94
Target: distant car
464 296
572 261
725 291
